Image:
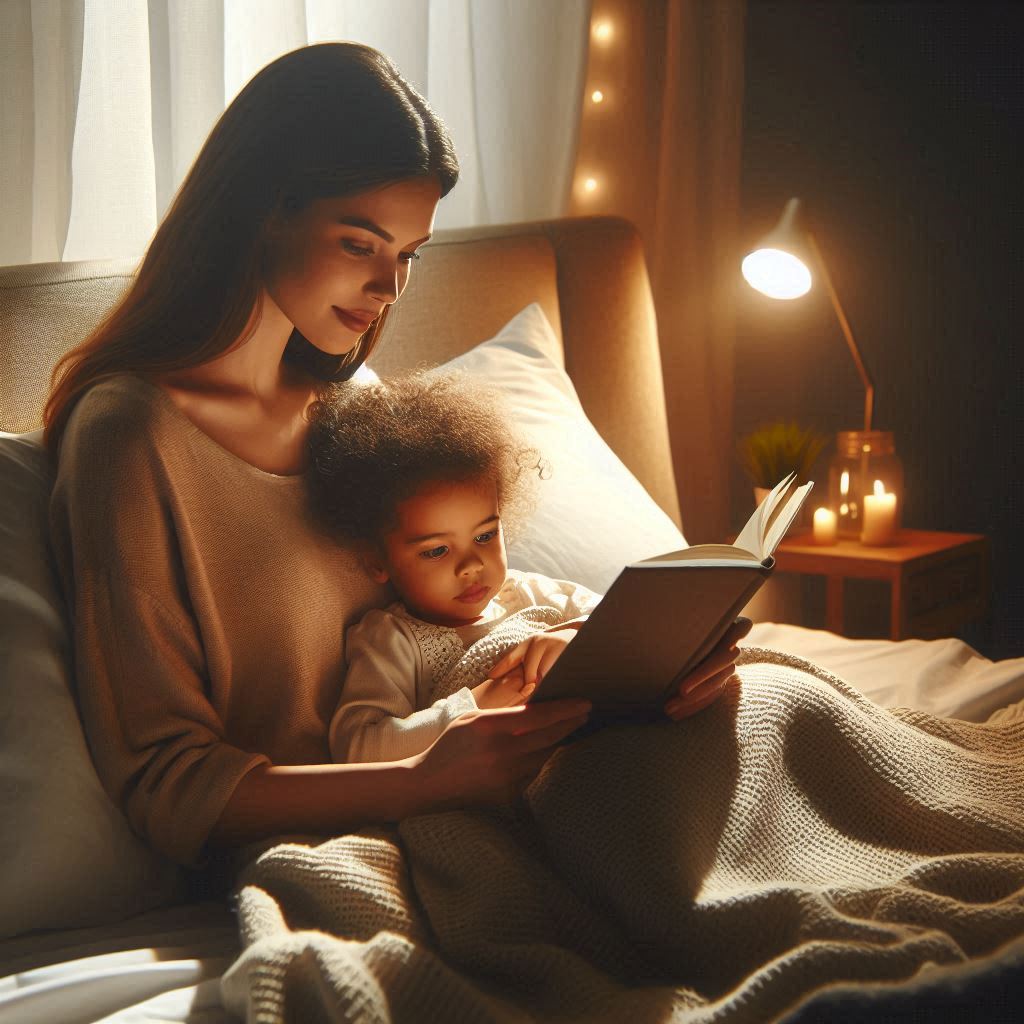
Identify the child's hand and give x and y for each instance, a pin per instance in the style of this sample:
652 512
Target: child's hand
505 691
535 656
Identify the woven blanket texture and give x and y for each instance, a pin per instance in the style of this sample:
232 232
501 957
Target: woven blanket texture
792 837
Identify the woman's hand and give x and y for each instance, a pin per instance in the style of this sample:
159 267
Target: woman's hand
704 685
490 757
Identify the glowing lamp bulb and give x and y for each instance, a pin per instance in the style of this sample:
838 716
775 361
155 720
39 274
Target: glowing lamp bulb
603 31
777 274
597 96
590 185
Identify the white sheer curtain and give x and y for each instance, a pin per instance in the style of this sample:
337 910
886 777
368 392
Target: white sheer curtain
105 103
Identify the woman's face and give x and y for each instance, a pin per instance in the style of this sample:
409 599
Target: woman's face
336 264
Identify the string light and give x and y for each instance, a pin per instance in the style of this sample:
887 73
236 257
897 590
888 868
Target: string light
603 31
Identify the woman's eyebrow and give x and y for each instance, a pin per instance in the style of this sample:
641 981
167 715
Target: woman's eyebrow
368 225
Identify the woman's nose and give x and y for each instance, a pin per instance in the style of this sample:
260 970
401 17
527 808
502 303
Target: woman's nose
385 287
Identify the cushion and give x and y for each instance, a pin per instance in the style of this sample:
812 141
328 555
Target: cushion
592 515
69 858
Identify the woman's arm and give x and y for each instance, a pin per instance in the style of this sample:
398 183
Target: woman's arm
483 758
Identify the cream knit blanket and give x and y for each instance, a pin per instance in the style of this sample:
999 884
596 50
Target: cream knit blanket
792 837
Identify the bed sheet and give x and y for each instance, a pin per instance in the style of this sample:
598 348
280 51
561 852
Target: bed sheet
165 965
946 678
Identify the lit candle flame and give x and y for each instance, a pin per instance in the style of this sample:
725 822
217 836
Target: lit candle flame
844 482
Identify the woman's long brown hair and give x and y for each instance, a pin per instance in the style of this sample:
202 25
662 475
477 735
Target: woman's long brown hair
323 121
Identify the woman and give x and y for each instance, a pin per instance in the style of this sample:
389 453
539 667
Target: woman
208 614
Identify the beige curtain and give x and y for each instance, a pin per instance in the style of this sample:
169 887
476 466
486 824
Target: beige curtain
662 148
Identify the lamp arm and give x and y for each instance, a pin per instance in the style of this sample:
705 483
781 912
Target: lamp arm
869 390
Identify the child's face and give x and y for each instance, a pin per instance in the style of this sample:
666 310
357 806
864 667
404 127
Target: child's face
446 556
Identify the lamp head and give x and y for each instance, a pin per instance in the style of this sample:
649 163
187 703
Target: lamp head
778 265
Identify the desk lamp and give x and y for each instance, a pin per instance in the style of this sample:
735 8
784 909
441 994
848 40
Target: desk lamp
866 475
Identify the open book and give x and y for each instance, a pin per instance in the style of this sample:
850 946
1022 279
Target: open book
661 617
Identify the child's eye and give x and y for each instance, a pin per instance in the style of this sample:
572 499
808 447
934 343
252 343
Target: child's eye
439 552
355 248
485 538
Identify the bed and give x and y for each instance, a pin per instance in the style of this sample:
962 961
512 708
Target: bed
92 925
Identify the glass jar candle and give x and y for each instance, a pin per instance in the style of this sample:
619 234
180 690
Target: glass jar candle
866 464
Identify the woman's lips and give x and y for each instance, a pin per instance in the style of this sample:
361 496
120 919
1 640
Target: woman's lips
355 319
473 594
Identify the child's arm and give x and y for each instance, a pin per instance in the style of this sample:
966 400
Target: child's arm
376 719
535 656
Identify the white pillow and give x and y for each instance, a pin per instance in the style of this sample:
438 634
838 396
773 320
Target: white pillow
592 515
67 855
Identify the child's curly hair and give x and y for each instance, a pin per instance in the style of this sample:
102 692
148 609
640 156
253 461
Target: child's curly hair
373 446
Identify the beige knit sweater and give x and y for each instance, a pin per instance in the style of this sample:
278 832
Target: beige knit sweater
208 614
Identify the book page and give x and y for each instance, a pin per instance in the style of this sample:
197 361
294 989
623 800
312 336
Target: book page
705 554
752 536
786 517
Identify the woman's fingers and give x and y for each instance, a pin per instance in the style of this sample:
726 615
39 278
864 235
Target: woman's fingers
736 632
710 667
542 739
698 698
722 657
531 718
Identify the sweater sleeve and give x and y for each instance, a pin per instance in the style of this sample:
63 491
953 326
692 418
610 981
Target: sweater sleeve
140 672
377 719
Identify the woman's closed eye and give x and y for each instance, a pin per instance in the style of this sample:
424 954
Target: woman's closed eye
358 249
355 248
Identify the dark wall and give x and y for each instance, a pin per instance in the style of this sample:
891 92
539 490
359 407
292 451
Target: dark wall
899 124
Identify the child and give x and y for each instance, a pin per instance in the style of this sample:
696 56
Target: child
423 475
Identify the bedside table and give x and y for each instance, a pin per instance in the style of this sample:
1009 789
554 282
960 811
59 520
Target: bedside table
938 581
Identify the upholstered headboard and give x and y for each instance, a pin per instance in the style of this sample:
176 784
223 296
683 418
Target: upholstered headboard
587 273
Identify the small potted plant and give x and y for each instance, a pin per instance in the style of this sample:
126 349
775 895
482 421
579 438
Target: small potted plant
775 450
